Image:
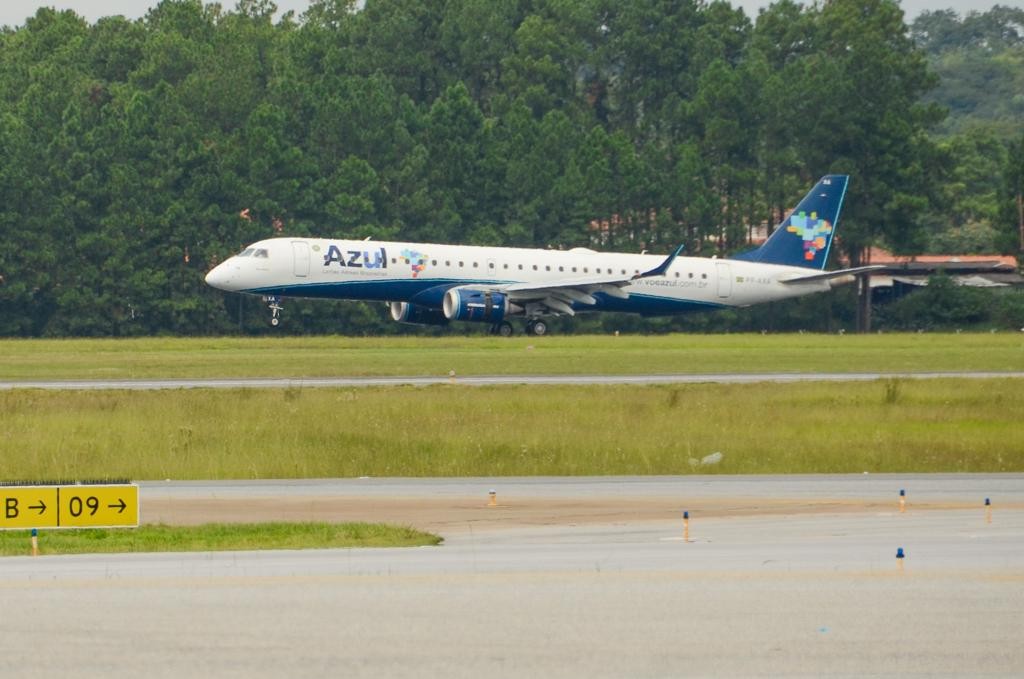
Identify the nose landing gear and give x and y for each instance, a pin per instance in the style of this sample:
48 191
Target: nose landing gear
274 303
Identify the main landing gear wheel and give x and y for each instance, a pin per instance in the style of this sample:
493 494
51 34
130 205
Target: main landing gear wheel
503 329
536 327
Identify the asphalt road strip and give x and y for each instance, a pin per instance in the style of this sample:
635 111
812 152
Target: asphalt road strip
487 380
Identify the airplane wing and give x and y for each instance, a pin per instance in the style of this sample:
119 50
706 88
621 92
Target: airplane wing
827 275
559 295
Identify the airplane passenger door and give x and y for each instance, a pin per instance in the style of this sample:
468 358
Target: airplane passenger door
300 249
724 279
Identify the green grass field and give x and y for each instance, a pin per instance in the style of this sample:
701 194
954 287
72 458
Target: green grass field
346 356
216 537
935 425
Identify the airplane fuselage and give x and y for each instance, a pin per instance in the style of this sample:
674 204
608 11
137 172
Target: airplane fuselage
421 273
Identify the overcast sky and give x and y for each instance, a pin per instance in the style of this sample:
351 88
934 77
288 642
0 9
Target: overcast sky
14 12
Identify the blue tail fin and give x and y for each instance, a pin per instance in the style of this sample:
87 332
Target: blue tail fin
805 237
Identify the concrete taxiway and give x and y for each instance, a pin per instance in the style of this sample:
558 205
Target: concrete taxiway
792 576
486 380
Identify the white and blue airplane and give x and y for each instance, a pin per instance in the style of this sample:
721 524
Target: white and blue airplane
433 284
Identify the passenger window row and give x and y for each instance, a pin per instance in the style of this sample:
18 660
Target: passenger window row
536 267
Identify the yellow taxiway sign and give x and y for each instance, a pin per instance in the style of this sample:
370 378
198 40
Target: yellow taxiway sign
28 507
69 506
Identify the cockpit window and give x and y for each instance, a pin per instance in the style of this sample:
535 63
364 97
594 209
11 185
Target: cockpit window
261 253
244 253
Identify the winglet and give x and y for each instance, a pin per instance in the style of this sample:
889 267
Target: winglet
663 267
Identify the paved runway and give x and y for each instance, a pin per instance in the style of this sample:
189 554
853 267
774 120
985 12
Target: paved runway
788 576
482 380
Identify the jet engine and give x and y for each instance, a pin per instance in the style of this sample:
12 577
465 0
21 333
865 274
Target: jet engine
403 312
484 306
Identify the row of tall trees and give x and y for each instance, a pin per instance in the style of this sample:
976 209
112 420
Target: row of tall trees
134 155
979 59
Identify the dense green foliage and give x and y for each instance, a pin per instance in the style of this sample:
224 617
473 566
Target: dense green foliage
979 59
130 149
944 305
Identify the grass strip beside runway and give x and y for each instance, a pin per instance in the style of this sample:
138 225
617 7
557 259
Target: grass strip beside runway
296 357
937 425
216 537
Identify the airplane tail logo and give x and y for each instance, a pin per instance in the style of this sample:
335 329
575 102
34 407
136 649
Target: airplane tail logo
814 232
805 237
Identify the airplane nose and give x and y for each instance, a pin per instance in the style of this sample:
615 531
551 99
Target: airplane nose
220 277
